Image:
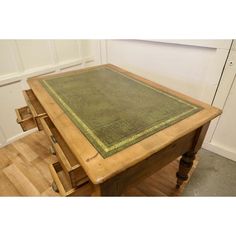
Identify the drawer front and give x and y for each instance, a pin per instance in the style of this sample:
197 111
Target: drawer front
35 107
75 173
64 186
38 122
68 161
25 118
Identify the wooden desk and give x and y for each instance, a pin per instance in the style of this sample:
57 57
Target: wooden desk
93 173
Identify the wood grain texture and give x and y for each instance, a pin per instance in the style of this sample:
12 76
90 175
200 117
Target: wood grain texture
24 167
187 159
66 158
96 167
34 106
119 183
26 173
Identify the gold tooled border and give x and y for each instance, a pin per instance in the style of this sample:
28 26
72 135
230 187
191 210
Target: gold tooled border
132 138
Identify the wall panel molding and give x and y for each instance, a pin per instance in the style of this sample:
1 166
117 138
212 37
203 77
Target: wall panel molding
12 83
53 52
103 51
213 140
209 43
8 60
56 65
17 56
194 70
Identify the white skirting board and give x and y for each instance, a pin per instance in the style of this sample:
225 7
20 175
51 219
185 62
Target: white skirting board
222 151
18 136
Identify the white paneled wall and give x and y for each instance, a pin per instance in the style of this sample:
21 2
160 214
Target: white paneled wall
191 69
20 59
10 99
34 53
221 137
224 138
8 64
67 50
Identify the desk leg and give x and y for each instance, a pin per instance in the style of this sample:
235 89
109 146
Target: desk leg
185 166
187 159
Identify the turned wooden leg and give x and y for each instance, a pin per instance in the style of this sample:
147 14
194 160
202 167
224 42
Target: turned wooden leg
187 159
185 166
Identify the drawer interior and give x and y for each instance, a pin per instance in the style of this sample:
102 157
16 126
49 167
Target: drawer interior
33 103
25 118
57 138
75 173
23 113
64 186
60 179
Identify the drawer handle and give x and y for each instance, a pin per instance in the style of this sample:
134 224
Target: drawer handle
53 139
52 151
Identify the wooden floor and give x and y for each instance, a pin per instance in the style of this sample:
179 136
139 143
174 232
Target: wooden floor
24 171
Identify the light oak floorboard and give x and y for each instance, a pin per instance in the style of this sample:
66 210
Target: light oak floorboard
20 181
6 186
24 171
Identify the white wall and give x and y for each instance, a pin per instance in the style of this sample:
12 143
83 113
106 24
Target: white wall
224 137
20 59
221 137
193 70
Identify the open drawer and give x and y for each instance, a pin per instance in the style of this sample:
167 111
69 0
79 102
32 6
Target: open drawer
34 106
25 118
67 159
64 186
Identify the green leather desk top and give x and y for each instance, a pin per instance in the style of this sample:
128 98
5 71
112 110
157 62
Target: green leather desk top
113 110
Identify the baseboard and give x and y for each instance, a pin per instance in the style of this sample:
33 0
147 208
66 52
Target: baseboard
18 136
220 151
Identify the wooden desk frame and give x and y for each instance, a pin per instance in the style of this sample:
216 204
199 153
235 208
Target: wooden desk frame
112 175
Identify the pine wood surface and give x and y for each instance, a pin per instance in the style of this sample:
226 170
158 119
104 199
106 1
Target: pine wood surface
24 171
96 167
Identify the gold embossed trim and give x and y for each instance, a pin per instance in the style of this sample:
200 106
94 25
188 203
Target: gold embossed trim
130 139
